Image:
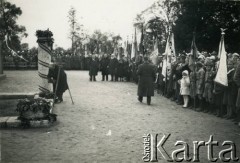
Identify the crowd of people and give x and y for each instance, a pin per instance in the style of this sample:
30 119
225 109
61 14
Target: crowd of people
191 86
113 69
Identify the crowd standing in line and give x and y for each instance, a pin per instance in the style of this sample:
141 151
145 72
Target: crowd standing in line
191 89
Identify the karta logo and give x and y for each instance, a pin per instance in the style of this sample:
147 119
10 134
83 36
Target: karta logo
154 148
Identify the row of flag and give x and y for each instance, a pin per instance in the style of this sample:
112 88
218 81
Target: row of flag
221 77
170 55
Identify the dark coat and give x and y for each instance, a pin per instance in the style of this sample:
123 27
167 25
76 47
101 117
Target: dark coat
62 81
236 79
113 66
93 67
146 73
120 68
104 65
126 69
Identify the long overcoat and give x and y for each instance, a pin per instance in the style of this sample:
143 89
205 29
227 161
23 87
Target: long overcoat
113 66
93 67
104 66
146 73
62 80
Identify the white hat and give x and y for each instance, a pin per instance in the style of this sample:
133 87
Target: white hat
212 57
235 54
185 72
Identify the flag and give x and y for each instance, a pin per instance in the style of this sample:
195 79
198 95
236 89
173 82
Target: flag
193 55
221 77
115 52
86 50
154 55
126 49
134 46
169 53
141 46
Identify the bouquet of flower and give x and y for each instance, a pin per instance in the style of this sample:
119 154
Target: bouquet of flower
34 109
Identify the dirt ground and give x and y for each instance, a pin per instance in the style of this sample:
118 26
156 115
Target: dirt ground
106 124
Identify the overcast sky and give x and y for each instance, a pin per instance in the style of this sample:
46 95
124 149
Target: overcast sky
106 15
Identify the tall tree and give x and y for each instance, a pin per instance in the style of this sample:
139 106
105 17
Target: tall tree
75 33
155 22
9 28
206 18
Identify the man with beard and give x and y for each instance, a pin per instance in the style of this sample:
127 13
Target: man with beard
58 77
104 67
146 73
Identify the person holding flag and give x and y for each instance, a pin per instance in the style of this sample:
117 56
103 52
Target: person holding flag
221 79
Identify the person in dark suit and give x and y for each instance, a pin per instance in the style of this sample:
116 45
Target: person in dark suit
93 69
104 67
146 73
56 73
113 67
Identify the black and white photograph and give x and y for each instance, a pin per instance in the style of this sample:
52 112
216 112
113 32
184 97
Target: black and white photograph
119 81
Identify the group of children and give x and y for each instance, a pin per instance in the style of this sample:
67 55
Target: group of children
193 85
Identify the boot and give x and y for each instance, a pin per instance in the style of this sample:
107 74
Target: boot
102 77
230 112
149 100
201 106
206 107
140 98
211 108
106 77
220 111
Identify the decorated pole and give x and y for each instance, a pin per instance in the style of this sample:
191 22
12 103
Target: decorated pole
45 42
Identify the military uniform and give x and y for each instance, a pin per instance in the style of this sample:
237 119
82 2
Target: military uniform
200 77
208 86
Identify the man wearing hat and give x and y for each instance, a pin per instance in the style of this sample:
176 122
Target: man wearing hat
146 73
58 77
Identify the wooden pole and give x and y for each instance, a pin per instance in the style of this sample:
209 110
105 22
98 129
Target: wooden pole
1 58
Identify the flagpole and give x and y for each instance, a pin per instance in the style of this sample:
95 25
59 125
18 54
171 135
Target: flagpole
194 68
169 33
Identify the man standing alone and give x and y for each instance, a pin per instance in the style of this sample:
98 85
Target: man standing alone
146 73
58 77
